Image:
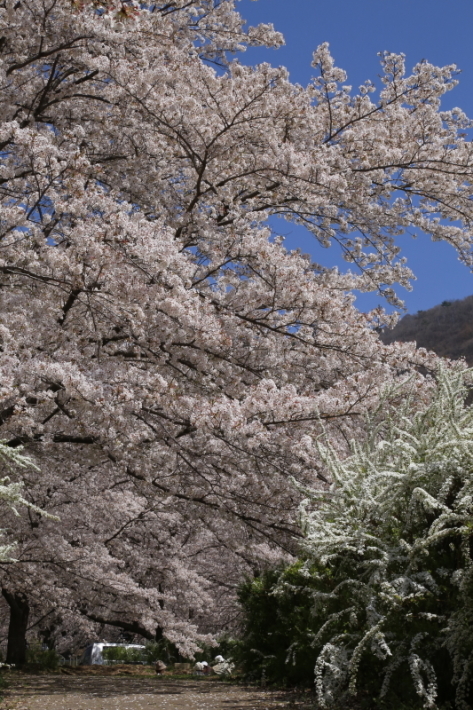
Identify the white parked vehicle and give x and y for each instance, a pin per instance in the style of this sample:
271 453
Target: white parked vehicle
93 654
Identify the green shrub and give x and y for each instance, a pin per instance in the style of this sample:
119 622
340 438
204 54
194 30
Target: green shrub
154 652
279 626
43 659
162 650
120 654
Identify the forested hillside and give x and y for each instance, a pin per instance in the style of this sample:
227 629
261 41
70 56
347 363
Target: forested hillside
446 329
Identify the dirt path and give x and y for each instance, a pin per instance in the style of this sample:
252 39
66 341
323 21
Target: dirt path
53 692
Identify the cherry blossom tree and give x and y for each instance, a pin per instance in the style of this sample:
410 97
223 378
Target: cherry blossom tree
167 362
11 496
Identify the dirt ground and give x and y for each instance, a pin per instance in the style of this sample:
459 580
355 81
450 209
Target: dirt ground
105 692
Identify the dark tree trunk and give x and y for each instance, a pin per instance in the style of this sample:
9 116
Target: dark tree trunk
159 636
19 614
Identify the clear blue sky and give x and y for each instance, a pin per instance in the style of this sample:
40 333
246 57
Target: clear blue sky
437 30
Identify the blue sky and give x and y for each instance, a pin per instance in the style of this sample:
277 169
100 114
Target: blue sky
437 30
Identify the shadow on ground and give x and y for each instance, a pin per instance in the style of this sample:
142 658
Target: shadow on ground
106 687
29 692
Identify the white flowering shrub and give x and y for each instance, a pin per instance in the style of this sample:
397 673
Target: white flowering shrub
389 554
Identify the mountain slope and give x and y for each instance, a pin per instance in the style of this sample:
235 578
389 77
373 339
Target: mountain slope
446 329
